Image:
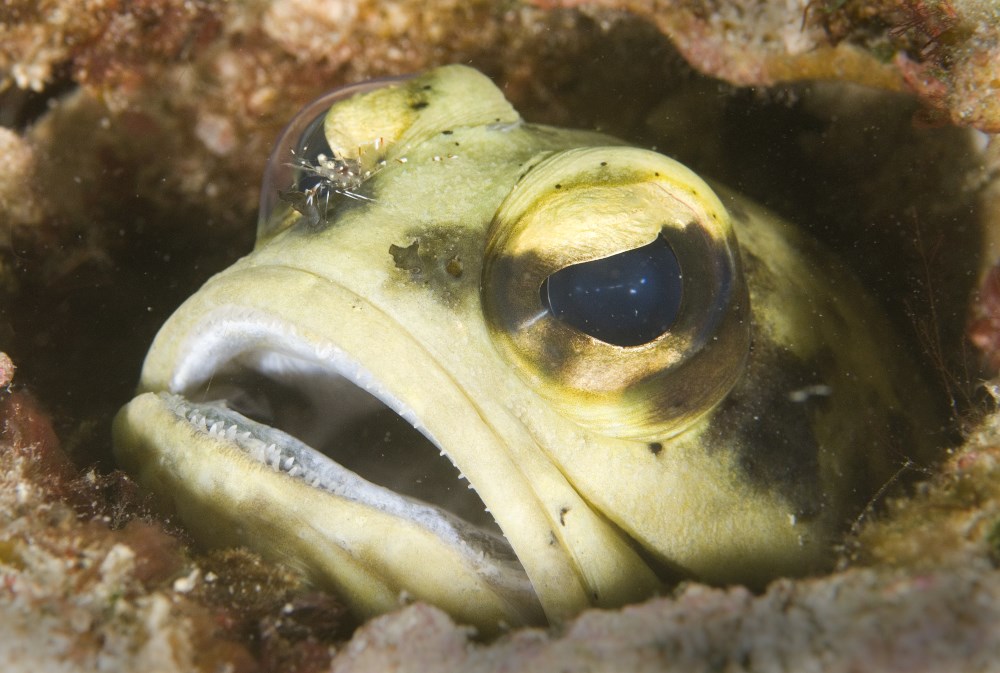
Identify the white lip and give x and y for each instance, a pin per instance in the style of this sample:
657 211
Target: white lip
247 339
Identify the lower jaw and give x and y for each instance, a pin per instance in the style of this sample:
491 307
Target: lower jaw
234 481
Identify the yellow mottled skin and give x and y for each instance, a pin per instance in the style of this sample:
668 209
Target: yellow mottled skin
731 449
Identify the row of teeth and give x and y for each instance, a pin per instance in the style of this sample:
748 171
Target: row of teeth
269 455
282 460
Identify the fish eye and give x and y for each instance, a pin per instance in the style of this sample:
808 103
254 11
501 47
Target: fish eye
337 143
627 299
612 284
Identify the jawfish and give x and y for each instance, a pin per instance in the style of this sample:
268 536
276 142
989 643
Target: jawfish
515 370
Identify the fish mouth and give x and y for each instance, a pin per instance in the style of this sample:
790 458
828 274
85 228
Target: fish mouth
313 414
326 415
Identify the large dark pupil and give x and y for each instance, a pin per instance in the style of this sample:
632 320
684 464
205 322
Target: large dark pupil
627 299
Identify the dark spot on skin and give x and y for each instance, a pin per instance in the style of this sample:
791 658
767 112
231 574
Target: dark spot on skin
426 87
407 258
449 260
419 105
655 448
562 515
558 186
447 133
552 539
454 267
604 163
656 174
773 435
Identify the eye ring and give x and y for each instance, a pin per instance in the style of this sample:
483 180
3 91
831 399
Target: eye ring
587 204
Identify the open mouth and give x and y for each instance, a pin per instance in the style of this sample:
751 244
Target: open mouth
320 419
316 415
